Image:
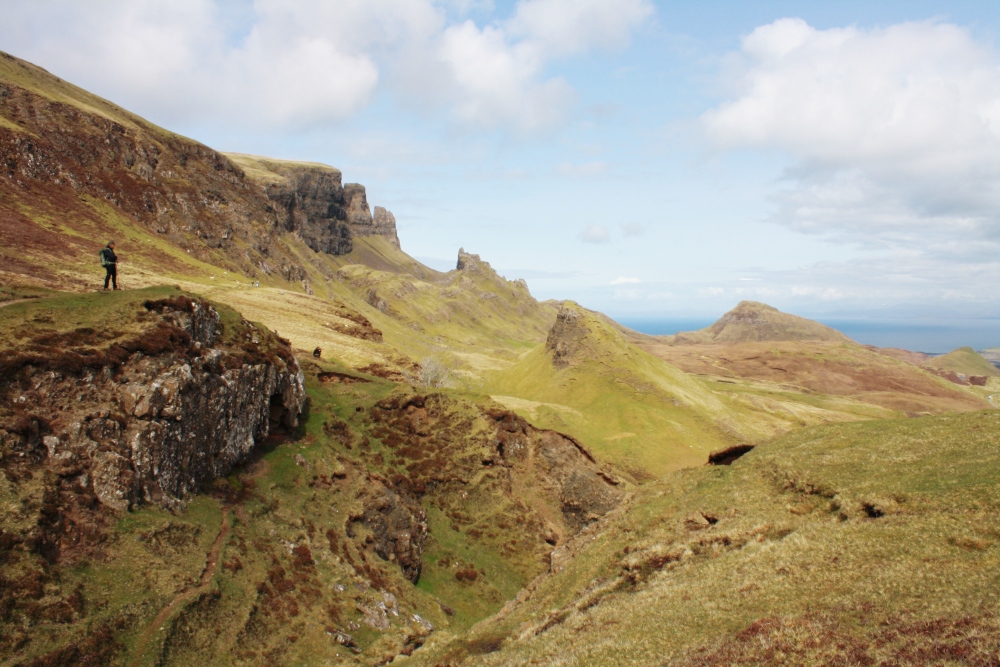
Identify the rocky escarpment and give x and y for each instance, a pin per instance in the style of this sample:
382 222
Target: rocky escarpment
151 419
582 489
66 153
70 155
314 203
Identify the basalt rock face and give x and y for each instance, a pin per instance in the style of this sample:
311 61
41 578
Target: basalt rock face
312 203
384 224
157 427
360 218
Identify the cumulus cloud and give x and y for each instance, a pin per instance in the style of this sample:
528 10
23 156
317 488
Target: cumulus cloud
565 27
301 62
895 131
497 83
624 281
595 234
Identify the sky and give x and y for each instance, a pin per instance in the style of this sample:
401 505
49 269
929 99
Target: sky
646 159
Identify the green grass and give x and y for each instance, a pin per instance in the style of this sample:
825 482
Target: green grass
966 361
794 541
631 408
113 313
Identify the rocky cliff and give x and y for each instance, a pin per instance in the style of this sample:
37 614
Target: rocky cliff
150 419
71 161
313 202
70 156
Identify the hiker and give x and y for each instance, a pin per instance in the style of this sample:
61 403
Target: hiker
317 352
109 260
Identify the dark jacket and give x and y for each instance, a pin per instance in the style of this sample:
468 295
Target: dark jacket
108 256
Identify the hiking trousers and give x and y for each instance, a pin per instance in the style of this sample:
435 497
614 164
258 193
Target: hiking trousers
112 276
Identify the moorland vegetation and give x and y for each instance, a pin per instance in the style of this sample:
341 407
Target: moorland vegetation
466 475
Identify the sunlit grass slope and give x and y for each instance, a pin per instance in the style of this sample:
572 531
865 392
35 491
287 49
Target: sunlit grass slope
648 415
966 361
628 406
37 80
865 543
470 320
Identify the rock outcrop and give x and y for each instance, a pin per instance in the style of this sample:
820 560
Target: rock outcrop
565 337
314 203
158 426
583 490
398 524
311 202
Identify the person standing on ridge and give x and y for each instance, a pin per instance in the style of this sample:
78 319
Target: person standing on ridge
109 260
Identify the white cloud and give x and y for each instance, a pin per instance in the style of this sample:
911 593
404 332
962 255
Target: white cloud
624 281
301 62
565 27
497 83
895 131
633 229
595 234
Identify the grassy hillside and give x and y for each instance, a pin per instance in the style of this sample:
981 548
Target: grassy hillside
751 321
37 80
801 552
658 407
296 556
629 407
964 360
846 370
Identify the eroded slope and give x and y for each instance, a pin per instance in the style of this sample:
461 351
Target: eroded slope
802 551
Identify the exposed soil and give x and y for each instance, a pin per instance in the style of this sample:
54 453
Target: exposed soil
331 377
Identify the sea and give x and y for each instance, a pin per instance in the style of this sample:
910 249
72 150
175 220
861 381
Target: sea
931 337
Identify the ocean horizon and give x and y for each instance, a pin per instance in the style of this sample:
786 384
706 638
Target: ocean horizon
916 335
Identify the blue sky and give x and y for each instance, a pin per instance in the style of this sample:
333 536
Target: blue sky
647 159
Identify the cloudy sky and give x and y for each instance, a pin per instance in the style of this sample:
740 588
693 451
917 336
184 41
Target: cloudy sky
654 159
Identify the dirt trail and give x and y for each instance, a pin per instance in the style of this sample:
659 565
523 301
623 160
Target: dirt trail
13 301
211 563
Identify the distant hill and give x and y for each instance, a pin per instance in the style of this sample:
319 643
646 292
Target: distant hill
965 361
751 321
